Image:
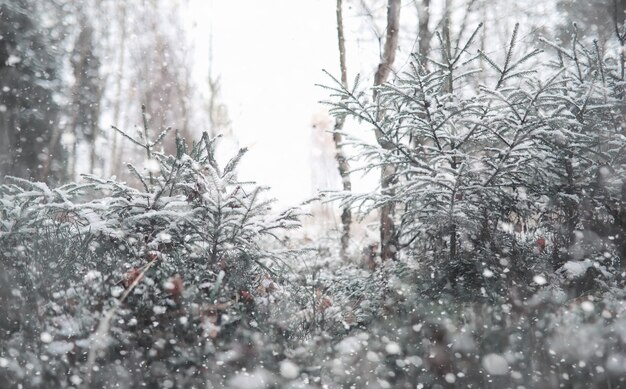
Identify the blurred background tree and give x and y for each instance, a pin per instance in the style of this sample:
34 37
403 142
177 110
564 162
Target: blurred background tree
30 67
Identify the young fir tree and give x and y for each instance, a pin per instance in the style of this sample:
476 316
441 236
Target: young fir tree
524 148
164 277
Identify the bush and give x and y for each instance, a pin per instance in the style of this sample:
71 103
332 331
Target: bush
478 154
123 286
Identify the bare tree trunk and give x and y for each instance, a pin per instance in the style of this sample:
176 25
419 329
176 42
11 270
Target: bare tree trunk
391 42
115 155
343 166
448 88
424 34
183 90
468 10
387 175
54 153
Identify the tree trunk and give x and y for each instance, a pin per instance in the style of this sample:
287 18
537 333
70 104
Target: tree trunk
448 88
115 153
391 42
424 34
343 166
387 177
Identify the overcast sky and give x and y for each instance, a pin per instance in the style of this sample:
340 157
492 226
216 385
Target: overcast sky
269 55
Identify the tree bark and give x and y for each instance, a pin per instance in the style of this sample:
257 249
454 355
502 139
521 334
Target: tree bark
391 42
342 162
115 153
387 176
448 88
424 34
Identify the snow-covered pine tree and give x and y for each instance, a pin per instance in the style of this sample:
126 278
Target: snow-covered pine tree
169 274
586 155
469 161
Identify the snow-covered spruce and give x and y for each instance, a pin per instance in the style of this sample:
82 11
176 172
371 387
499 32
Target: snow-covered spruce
170 274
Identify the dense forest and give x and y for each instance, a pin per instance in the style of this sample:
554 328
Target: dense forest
486 249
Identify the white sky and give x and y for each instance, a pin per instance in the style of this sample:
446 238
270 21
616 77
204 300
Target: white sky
269 55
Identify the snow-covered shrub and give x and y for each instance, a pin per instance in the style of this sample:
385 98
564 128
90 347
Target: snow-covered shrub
533 146
176 278
508 184
583 175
